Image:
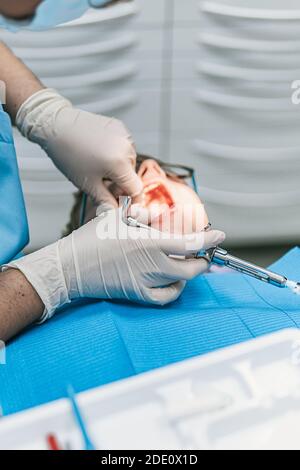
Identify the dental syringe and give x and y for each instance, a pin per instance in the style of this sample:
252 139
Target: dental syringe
221 257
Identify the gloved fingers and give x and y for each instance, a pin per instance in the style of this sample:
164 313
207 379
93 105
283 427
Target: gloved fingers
187 269
164 295
185 245
213 238
146 216
128 182
116 127
104 198
103 208
124 175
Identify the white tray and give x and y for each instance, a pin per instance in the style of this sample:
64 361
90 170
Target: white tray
245 396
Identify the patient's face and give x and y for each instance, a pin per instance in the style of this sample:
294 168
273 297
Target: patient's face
174 206
18 9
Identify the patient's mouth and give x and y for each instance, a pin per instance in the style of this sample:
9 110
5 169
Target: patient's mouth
157 193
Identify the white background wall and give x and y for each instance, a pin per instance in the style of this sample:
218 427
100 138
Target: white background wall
202 82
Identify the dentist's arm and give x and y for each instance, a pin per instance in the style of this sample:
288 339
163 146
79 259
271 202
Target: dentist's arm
19 81
86 147
20 304
104 259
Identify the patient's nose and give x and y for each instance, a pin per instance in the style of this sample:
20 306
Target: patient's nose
150 169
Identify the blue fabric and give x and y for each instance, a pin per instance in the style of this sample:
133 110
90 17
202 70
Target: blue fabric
13 221
96 343
51 13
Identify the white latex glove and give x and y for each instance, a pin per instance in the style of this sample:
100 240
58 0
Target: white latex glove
86 147
106 259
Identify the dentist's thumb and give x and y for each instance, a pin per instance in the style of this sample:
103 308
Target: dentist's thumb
127 180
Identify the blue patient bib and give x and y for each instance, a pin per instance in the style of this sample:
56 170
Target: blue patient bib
13 221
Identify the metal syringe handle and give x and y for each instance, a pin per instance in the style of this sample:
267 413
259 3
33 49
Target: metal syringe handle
223 258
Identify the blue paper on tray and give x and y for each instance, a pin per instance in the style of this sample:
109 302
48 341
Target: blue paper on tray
96 343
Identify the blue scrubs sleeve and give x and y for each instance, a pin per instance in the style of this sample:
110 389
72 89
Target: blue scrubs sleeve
14 234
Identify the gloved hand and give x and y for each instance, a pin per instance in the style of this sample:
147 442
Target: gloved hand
86 147
105 259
